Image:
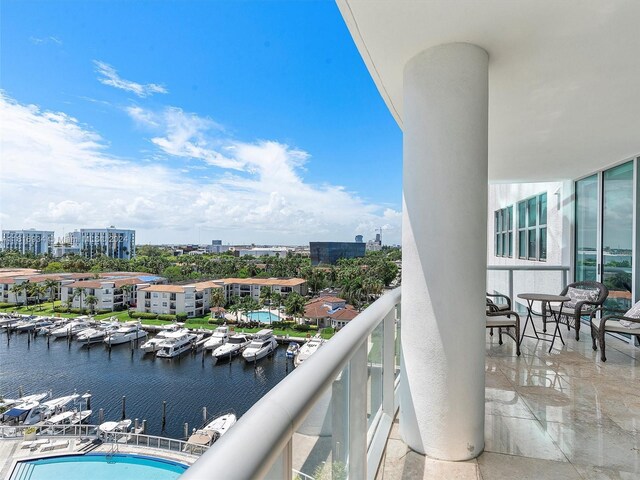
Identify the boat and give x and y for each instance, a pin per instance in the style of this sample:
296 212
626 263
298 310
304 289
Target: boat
60 419
125 334
57 405
28 325
292 350
95 335
153 344
24 413
113 429
263 344
234 345
211 432
80 417
219 337
308 349
70 329
36 397
175 343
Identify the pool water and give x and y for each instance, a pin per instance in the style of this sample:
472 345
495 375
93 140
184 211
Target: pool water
263 317
96 466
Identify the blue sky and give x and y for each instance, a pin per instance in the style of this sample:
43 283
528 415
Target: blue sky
188 121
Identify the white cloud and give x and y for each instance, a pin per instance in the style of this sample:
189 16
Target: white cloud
110 77
56 173
42 40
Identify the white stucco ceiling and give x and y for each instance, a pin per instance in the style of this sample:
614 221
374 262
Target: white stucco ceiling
564 75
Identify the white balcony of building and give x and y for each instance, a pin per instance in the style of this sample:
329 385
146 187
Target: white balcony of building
486 93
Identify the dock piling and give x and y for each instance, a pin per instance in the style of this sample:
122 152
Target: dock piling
100 416
124 403
144 426
164 414
204 414
186 430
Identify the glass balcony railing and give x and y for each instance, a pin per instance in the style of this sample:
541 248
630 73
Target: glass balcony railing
330 418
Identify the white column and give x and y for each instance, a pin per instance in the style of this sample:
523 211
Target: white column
444 244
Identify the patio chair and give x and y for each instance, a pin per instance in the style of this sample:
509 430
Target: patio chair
585 298
504 319
611 323
500 306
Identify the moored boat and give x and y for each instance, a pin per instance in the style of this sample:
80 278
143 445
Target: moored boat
234 345
219 337
262 344
308 349
175 343
212 431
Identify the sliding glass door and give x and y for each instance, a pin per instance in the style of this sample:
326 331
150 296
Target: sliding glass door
617 235
604 232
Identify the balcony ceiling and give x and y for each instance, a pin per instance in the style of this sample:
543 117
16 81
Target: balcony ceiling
564 76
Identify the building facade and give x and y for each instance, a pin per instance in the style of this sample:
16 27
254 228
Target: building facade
331 252
194 300
36 242
243 287
111 242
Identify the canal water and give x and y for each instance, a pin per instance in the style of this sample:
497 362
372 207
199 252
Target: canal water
186 383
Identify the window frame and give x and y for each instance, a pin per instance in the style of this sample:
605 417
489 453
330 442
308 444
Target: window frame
533 225
503 232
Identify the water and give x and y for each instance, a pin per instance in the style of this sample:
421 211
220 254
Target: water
98 467
185 383
263 317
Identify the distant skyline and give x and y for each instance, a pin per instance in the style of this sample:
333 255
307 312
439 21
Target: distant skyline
249 122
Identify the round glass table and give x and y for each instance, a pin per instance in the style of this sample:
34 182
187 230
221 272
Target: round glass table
545 300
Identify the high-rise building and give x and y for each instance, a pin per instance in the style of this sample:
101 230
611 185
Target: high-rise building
359 238
331 252
111 242
38 242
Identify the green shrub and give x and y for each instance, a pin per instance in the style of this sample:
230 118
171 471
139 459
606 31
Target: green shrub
313 327
171 318
7 305
144 315
301 327
181 317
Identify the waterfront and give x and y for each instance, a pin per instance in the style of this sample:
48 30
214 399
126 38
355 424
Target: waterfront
186 383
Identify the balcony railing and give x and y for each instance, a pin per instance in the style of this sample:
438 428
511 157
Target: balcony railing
329 418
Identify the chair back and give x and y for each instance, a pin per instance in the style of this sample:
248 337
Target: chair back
603 291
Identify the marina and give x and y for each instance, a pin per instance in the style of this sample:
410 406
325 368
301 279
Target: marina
125 381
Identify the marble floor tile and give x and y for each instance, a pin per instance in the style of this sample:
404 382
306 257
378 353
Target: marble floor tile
495 466
519 436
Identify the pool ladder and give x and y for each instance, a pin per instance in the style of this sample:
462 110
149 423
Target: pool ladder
112 451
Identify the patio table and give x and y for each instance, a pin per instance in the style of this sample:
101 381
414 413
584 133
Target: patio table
543 299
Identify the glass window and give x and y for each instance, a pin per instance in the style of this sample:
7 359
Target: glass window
532 228
503 232
586 228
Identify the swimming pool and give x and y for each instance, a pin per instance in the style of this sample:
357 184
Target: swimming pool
98 466
263 317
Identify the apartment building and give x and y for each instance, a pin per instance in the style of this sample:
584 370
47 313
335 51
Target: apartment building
11 293
37 242
113 293
112 242
243 287
194 299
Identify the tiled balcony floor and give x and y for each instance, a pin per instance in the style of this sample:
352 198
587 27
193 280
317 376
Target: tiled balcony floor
559 415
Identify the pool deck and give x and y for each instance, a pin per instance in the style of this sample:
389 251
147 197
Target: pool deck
12 451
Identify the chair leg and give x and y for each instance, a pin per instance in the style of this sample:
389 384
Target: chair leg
603 357
500 336
576 327
517 329
593 338
491 332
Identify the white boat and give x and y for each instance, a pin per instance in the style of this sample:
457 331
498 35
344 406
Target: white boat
125 334
292 350
112 429
28 325
60 419
57 405
234 345
219 337
153 344
25 413
97 334
36 397
70 329
175 343
307 350
212 431
263 344
80 417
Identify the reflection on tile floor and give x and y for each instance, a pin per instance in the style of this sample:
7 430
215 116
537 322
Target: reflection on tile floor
563 414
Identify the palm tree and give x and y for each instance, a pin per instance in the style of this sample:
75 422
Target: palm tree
126 290
17 289
79 292
36 290
276 299
294 305
91 301
266 294
52 286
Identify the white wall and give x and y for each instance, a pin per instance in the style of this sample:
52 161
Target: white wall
559 214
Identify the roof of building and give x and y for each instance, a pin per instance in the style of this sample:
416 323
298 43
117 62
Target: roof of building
199 286
283 282
319 308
